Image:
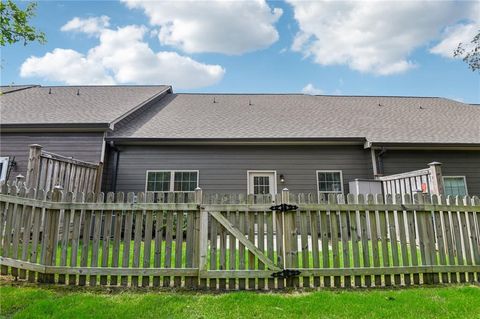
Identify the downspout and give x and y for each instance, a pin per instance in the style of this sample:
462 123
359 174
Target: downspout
115 166
374 162
379 159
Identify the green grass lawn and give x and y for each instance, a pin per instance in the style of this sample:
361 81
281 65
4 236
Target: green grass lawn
29 301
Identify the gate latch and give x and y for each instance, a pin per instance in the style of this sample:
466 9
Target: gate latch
284 207
286 273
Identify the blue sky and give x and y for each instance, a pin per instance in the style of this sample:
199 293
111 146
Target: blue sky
379 48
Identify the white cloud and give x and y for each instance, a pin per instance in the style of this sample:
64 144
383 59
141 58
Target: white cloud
122 57
461 33
67 66
93 25
312 90
372 36
229 27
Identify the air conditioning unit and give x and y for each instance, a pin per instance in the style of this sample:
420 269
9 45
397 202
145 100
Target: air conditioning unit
365 186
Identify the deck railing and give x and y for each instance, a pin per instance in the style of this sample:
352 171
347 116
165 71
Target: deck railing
237 242
428 180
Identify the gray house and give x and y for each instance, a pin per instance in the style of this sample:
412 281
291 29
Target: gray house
71 121
152 139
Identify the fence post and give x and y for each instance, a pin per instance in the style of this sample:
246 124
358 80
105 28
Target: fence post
437 178
290 238
98 179
33 166
202 236
285 196
50 234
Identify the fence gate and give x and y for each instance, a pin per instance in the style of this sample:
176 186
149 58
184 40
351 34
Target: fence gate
252 243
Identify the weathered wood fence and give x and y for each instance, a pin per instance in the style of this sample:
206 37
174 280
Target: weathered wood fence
237 242
46 170
428 180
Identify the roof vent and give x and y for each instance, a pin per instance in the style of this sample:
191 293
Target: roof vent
250 102
421 107
50 91
78 91
214 100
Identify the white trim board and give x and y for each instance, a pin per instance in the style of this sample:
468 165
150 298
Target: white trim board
3 174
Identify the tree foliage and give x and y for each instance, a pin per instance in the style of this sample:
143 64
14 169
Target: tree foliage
14 24
470 53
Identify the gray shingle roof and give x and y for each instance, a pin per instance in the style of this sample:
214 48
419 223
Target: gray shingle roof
378 119
93 104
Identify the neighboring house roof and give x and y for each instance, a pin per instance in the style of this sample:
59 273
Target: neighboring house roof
295 116
74 105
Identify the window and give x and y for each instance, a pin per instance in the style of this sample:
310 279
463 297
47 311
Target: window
455 185
158 181
172 181
330 182
3 168
261 185
185 181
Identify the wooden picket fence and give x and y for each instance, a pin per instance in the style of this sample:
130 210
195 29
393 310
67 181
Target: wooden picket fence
46 170
231 242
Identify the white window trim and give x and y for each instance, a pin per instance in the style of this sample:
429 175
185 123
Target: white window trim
260 172
329 171
172 178
458 176
3 173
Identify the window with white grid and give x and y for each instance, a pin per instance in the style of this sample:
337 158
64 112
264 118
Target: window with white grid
172 181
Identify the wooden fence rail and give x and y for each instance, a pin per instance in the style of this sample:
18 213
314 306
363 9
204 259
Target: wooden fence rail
235 241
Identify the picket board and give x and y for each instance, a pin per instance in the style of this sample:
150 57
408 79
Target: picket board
97 227
106 236
354 231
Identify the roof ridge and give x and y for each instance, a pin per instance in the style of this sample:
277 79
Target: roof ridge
315 95
103 85
200 93
16 88
17 85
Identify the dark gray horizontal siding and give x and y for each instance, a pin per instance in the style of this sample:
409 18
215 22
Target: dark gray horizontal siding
223 169
463 163
82 146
